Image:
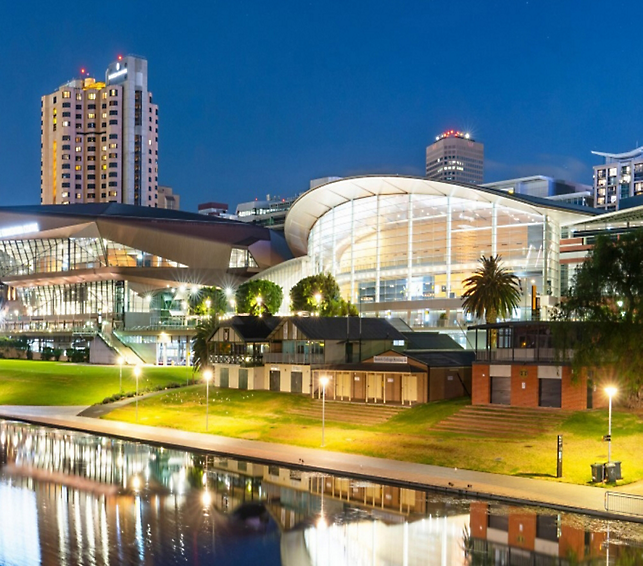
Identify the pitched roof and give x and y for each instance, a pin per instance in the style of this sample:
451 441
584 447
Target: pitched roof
430 341
252 328
343 328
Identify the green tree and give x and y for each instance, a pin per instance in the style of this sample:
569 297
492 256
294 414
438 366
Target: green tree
491 291
208 301
200 345
602 312
259 297
320 294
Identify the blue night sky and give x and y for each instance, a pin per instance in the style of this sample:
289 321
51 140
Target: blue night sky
260 97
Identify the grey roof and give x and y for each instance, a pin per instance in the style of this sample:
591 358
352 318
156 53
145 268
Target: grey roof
252 328
114 210
342 328
430 341
462 358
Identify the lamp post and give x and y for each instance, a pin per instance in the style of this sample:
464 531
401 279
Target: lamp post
323 381
318 299
120 373
137 374
207 374
611 391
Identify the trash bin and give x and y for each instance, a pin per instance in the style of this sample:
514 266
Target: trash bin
598 472
610 472
619 475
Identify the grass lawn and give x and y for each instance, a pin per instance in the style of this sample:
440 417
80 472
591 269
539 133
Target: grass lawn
28 382
268 416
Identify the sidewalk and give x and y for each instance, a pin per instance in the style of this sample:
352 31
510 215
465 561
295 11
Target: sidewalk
568 497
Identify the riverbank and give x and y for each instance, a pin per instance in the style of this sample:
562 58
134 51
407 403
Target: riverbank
567 497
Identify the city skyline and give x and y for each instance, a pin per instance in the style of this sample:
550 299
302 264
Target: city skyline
260 100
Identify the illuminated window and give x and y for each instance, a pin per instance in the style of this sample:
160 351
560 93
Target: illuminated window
66 124
113 92
104 167
66 94
79 96
91 96
91 116
79 167
113 145
79 148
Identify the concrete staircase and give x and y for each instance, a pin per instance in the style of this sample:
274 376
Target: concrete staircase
502 421
353 413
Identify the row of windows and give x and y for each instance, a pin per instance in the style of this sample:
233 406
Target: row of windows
90 95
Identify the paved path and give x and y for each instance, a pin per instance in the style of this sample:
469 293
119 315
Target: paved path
584 499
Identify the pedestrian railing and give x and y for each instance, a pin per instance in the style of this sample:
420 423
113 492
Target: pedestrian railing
626 503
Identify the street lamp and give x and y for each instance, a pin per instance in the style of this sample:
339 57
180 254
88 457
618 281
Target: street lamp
323 381
137 374
259 303
207 374
318 299
611 391
120 373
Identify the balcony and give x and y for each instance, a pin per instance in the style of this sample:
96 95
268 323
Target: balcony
523 355
283 358
237 359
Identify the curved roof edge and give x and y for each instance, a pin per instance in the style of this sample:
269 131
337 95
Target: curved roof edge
313 204
625 155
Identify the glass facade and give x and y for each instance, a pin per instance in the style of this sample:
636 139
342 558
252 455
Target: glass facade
415 247
52 255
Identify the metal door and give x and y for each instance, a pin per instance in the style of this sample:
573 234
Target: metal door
296 380
275 380
501 390
550 392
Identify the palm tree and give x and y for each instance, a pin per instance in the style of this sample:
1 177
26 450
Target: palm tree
491 291
200 350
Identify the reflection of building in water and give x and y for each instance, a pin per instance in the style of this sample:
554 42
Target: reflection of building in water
520 536
72 497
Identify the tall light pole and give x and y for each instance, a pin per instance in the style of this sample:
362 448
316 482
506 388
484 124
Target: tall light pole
207 374
323 381
120 374
611 391
137 374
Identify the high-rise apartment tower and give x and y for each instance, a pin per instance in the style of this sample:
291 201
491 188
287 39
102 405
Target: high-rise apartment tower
455 156
99 140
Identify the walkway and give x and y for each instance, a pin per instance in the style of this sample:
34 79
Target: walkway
568 497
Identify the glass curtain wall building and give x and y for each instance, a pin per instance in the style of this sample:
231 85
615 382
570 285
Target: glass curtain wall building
403 246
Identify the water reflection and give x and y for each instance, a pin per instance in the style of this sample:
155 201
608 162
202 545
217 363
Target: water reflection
69 498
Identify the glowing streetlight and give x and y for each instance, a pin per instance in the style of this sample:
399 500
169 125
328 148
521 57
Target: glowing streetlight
207 374
208 304
259 303
120 373
611 391
323 381
318 299
137 374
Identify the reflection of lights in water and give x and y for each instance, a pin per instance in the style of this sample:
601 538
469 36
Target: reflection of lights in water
206 498
204 479
322 523
136 483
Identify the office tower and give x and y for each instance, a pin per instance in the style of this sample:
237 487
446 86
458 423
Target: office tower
455 156
618 179
99 140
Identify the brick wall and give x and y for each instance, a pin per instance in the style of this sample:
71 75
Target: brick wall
480 386
522 530
574 395
527 397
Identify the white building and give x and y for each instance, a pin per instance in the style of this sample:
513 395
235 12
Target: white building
455 156
99 140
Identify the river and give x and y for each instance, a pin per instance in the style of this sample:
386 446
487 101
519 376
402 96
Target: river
71 498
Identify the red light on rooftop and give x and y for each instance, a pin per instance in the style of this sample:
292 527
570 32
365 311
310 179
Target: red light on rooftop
120 57
82 71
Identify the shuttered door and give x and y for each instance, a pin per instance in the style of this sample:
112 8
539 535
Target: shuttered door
275 379
295 382
225 378
243 378
501 390
550 392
